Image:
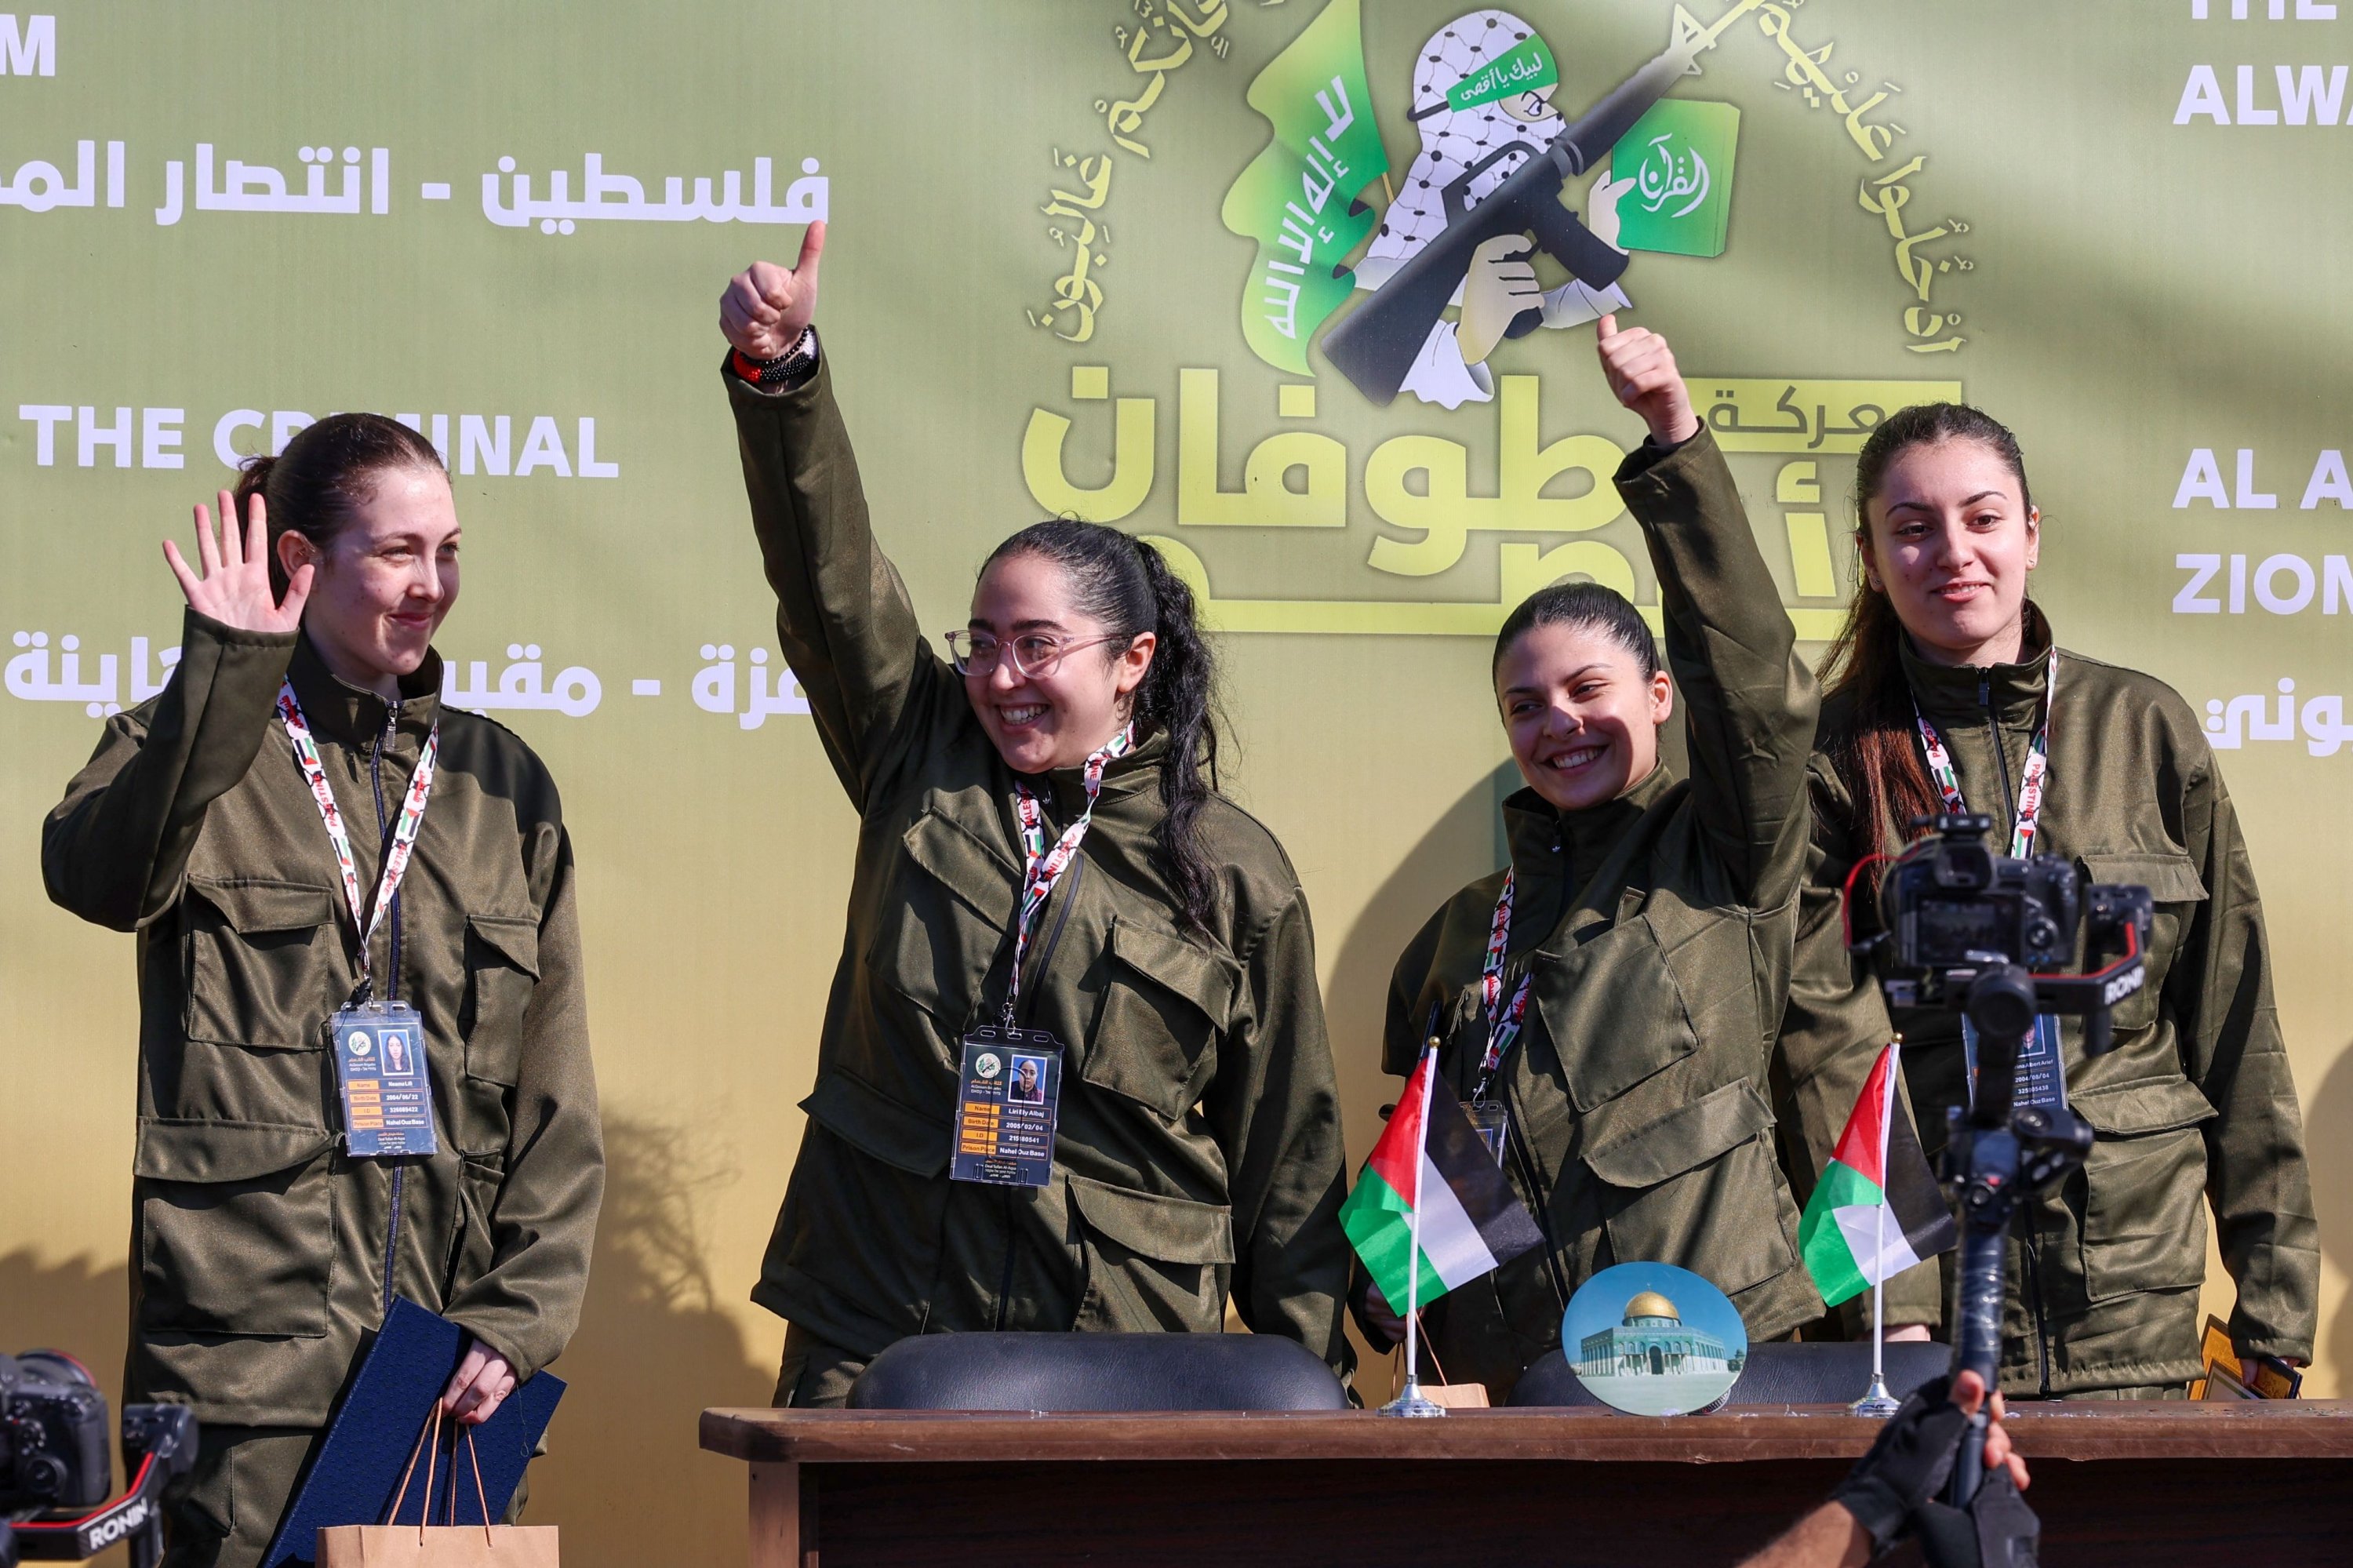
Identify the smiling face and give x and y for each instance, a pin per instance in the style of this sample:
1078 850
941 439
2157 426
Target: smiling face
385 579
1949 538
1582 718
1044 719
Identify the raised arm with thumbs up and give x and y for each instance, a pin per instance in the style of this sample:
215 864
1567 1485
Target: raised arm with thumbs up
1644 377
766 307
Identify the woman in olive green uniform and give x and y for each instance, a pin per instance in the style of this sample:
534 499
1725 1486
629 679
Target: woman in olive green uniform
1615 992
1037 847
1946 688
267 1248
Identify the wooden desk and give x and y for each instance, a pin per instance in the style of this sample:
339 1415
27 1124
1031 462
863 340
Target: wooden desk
2138 1484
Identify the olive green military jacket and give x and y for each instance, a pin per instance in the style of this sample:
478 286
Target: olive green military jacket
1199 1150
2195 1099
262 1256
1658 928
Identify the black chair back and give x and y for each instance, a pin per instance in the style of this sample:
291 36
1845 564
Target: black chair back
1776 1373
1097 1372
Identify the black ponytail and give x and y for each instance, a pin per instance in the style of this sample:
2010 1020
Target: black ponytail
1587 605
1127 585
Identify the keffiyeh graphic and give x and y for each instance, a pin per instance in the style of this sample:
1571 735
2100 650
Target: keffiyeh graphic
1454 140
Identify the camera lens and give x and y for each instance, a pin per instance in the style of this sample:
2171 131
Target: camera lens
42 1475
2002 1001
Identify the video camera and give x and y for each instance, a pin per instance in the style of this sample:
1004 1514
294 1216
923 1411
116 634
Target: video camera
54 1469
1960 921
1988 936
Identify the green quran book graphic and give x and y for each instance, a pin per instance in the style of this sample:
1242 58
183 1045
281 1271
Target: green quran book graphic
1679 157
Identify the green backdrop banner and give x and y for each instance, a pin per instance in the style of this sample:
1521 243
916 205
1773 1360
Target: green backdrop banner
1085 257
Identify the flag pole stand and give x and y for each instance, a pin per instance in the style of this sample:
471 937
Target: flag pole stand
1410 1400
1876 1401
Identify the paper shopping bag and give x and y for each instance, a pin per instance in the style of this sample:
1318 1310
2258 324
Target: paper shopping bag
438 1546
427 1546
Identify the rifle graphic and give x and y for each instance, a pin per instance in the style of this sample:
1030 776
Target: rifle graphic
1376 345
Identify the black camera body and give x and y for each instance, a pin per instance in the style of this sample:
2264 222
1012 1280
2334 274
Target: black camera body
55 1469
1950 903
1993 936
53 1433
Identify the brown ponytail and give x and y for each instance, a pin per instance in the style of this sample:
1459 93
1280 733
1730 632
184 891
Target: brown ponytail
1874 750
326 473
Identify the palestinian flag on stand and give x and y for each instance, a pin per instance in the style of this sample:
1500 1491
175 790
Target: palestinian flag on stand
1877 1211
1472 1221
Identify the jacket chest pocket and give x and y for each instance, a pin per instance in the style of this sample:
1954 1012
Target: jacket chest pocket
1699 1188
501 971
944 919
2144 1189
266 963
2177 890
1164 1000
1613 1012
236 1227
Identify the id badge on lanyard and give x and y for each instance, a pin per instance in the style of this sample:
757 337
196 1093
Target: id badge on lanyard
380 1068
1008 1097
1489 1121
2039 1081
381 1074
1009 1083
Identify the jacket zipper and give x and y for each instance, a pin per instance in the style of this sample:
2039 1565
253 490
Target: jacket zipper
1516 1144
2001 757
2033 1283
1070 896
391 980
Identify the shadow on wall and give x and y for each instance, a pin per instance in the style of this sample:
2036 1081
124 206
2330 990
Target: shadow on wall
623 1475
1463 844
2327 1118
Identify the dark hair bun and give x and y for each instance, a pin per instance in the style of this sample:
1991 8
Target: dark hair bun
326 473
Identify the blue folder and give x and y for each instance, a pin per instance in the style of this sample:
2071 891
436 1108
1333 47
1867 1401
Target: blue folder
357 1469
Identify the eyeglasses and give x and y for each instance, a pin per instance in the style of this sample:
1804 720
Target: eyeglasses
1034 655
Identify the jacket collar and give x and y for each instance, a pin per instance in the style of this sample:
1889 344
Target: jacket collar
353 716
1066 788
1960 694
1550 844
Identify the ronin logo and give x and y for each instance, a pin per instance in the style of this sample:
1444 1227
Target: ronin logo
1482 196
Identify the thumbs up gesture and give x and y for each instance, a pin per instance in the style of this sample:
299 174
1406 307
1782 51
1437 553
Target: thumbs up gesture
1641 372
766 307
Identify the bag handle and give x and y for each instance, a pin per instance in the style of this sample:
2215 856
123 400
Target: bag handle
428 1444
